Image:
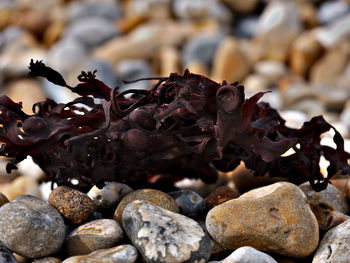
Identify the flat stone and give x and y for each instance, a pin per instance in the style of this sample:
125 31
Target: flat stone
190 203
163 236
6 255
30 227
119 254
109 195
151 195
75 206
274 218
94 235
325 203
335 245
247 254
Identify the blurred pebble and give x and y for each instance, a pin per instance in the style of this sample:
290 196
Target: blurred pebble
151 195
6 255
3 199
246 27
169 60
255 83
324 203
201 48
90 32
119 254
220 195
190 203
273 71
149 8
97 234
30 227
294 119
242 6
108 196
164 236
75 206
264 216
20 186
334 246
47 260
331 10
247 254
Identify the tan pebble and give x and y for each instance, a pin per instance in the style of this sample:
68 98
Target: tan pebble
275 218
229 63
128 23
3 199
169 60
305 50
34 20
5 18
20 186
308 14
47 260
197 67
155 196
53 32
242 6
221 195
20 259
75 206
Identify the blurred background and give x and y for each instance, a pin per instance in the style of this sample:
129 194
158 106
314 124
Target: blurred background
298 49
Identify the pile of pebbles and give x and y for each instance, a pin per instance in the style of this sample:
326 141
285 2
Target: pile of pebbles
279 222
297 49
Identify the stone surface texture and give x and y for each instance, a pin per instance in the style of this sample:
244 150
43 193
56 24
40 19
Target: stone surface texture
274 218
164 236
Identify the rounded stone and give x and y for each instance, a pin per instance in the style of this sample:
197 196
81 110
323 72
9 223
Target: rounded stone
94 235
3 199
274 218
155 196
164 236
119 254
335 245
75 206
221 195
30 227
190 203
47 260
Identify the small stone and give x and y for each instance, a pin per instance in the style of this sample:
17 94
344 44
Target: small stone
255 83
201 48
3 199
156 9
30 227
242 6
53 32
331 10
119 254
246 27
273 71
47 260
247 254
294 119
94 235
6 255
20 186
155 196
305 51
91 32
229 63
190 203
221 195
274 218
324 203
33 20
108 196
75 206
164 236
335 245
169 59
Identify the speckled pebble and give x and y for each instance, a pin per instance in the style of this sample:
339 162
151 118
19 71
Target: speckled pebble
75 206
155 196
98 234
247 255
6 255
119 254
220 195
274 218
3 199
109 195
164 236
335 245
30 227
190 203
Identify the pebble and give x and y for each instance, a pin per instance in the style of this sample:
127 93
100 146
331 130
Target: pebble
30 227
119 254
242 6
151 195
6 255
331 10
20 186
229 62
246 27
164 236
190 203
3 199
255 83
220 195
274 218
91 32
169 60
247 254
94 235
75 206
272 70
109 195
47 260
335 245
323 204
201 48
